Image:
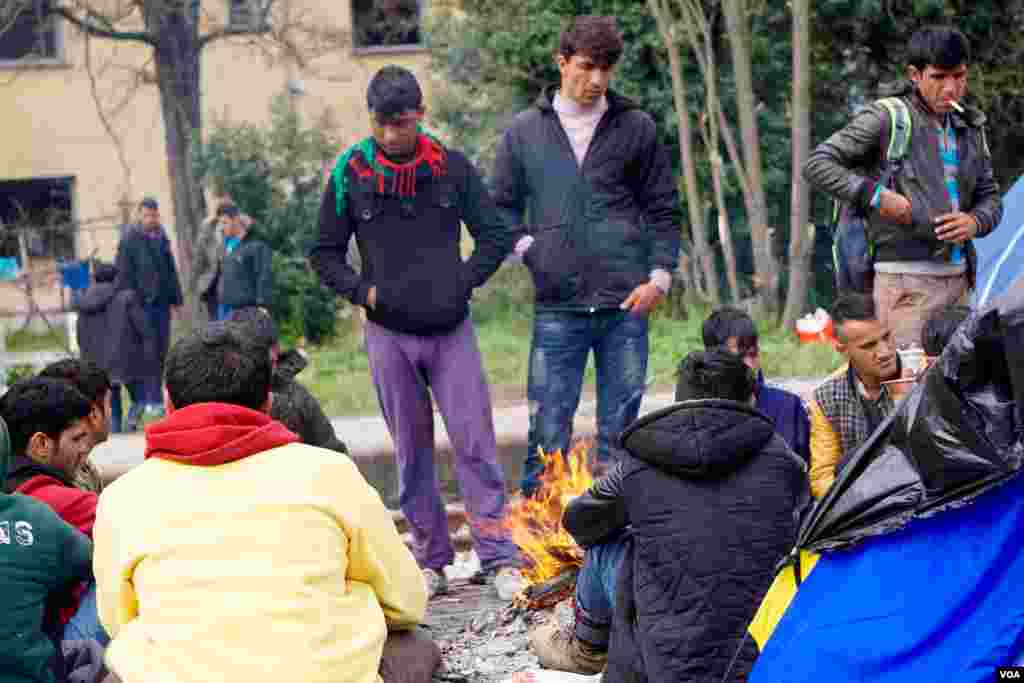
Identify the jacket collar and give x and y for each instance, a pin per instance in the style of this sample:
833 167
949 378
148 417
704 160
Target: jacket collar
22 468
616 103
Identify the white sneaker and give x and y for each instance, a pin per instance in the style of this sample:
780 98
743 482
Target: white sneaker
437 583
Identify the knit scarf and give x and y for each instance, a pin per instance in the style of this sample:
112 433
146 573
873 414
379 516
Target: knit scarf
366 161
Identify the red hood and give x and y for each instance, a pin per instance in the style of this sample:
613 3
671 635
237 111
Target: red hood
208 434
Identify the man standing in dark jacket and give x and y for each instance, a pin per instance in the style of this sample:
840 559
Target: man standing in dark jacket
586 166
246 273
404 196
113 334
942 196
682 537
145 265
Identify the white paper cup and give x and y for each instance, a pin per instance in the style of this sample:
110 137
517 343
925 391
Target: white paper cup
911 361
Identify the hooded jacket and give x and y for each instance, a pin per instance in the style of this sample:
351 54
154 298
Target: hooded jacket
235 553
41 559
112 332
75 506
599 228
145 264
712 495
849 164
297 409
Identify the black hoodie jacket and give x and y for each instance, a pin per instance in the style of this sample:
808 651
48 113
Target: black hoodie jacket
113 333
297 409
599 229
713 496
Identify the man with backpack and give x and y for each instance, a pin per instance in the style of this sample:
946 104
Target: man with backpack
916 171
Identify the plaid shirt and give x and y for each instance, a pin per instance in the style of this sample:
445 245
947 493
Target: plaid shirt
840 422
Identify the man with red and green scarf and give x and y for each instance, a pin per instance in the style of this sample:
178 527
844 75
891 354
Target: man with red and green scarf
404 196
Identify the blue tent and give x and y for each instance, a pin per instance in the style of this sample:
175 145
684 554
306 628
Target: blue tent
1001 254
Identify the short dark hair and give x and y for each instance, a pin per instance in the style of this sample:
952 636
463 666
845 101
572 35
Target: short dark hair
853 306
394 90
149 203
41 404
227 209
258 326
727 322
714 374
104 272
939 328
592 36
943 47
217 364
85 375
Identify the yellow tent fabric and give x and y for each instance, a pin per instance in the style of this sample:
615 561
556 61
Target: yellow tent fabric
778 597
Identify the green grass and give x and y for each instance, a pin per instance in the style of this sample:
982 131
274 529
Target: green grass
27 341
339 375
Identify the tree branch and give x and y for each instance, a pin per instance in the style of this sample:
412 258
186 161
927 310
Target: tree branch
96 31
261 27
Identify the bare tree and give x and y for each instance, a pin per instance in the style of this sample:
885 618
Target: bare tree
766 279
801 231
667 27
176 33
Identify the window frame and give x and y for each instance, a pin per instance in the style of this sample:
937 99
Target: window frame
58 59
403 48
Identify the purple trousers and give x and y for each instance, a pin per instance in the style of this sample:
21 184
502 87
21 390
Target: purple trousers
406 369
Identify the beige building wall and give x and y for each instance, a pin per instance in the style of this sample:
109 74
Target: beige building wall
52 126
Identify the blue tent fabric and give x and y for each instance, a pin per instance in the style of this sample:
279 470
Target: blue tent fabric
1001 254
942 600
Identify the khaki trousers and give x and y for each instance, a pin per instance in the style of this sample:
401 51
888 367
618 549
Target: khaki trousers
905 301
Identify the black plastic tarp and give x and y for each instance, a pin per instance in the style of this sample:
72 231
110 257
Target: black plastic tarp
954 437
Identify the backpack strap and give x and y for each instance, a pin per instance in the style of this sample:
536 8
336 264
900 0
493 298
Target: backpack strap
900 128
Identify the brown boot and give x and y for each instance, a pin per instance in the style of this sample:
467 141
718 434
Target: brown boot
558 648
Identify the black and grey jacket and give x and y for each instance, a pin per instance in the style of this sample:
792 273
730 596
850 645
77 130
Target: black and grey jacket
599 229
297 409
247 275
848 167
713 495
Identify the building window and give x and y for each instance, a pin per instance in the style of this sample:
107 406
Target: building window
245 14
36 219
386 23
30 34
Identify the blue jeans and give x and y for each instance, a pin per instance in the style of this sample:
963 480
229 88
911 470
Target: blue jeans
85 623
561 345
159 318
595 588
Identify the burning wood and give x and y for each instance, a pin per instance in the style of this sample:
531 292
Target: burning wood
552 556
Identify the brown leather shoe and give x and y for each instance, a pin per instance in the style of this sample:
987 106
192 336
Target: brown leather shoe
558 648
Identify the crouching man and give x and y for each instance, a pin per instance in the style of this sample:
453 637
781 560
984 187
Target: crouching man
235 553
682 536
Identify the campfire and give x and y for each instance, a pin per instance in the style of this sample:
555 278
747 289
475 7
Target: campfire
552 556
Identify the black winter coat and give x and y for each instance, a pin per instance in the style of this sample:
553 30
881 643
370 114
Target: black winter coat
297 409
246 275
113 332
713 496
146 264
600 229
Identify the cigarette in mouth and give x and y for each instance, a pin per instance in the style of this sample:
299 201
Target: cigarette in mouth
956 105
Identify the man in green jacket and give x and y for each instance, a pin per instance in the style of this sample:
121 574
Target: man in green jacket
41 557
940 197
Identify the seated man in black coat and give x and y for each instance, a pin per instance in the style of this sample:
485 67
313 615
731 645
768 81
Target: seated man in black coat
682 536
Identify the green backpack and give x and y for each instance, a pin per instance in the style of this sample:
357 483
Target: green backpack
853 253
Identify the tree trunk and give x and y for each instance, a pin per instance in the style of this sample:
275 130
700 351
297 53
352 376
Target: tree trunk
766 280
177 64
695 206
801 233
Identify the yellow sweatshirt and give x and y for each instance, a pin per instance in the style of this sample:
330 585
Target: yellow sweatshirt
281 566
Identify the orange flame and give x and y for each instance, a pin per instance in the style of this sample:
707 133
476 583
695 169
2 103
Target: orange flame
536 523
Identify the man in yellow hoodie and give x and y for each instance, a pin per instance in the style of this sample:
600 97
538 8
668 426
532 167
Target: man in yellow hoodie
235 553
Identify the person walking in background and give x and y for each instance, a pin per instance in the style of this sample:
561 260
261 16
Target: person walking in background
584 163
145 265
208 255
113 334
404 196
246 269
